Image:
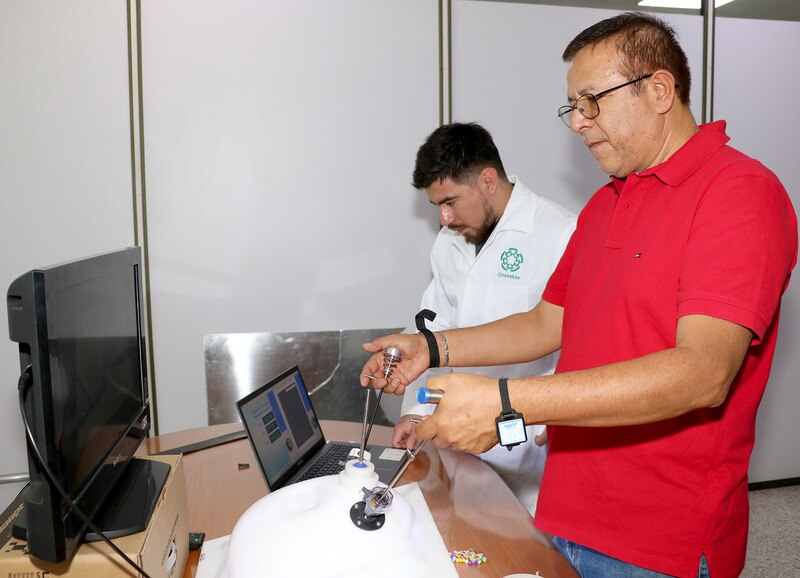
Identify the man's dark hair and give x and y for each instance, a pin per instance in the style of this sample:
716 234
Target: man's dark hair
645 44
458 152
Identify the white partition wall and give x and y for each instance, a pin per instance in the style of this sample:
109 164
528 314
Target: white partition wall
509 76
756 91
65 157
279 145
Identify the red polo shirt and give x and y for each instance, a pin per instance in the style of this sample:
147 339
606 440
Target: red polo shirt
710 231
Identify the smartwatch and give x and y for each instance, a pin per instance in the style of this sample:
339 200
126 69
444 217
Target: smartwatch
510 424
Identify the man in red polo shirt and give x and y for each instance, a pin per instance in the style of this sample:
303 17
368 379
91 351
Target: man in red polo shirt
665 305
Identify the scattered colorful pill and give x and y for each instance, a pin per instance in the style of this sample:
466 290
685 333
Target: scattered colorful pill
469 557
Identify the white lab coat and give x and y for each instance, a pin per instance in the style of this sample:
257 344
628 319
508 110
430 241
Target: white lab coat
508 276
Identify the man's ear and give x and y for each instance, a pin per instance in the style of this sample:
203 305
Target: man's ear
487 181
663 86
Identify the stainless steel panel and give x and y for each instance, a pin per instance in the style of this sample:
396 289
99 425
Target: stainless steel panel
330 361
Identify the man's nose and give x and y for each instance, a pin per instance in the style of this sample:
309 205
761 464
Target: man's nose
445 215
577 121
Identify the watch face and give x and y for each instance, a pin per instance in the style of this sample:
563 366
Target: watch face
511 431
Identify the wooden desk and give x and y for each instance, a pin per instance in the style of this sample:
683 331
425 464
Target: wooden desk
470 504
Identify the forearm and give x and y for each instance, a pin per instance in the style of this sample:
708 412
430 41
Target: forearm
696 373
646 389
515 339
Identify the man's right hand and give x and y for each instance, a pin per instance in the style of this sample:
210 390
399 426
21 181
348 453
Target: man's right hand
416 360
404 435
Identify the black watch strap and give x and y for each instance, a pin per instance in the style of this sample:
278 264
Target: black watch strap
433 346
504 399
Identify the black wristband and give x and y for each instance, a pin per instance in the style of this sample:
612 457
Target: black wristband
433 346
504 399
510 424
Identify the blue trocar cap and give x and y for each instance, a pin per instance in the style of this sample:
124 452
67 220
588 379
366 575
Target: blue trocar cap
423 395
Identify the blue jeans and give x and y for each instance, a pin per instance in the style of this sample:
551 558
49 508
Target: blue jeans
593 564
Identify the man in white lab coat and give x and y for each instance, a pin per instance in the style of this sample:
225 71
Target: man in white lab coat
498 244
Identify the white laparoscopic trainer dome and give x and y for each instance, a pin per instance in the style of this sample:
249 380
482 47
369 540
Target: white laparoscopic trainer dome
305 529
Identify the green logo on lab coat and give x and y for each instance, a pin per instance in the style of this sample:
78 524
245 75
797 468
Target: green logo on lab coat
511 260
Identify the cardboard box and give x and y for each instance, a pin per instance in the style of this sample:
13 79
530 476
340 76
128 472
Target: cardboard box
161 550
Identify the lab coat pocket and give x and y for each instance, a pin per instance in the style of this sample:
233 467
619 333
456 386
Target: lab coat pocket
504 299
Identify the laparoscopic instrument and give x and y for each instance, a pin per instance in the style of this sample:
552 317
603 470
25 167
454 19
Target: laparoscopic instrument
369 513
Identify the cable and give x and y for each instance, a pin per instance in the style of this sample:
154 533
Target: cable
22 386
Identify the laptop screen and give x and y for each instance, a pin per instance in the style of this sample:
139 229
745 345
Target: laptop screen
282 425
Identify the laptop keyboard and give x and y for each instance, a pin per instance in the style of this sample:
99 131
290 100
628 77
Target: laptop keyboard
331 462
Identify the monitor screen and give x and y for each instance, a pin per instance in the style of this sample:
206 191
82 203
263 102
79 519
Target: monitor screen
281 419
96 377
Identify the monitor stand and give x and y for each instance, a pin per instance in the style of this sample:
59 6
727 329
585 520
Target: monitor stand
129 506
132 501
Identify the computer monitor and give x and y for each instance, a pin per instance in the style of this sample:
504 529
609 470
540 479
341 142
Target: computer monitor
82 353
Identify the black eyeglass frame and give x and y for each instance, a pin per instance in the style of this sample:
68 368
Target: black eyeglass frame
565 112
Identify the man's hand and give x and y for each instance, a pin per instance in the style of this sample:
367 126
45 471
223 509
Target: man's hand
416 360
465 417
404 435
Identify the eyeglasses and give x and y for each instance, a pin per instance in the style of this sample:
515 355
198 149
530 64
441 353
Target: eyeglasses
587 104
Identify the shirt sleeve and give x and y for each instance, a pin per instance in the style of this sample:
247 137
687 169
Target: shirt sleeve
555 291
740 252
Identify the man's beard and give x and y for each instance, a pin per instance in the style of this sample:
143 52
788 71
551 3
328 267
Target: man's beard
482 232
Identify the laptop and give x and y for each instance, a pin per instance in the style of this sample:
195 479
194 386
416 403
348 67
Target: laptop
288 442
